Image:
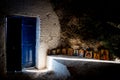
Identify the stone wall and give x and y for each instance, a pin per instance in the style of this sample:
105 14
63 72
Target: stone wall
49 25
2 47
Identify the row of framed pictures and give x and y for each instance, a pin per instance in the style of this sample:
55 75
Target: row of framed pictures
102 54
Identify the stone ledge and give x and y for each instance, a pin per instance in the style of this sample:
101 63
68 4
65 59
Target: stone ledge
77 58
79 68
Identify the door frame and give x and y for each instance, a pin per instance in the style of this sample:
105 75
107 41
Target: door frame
37 35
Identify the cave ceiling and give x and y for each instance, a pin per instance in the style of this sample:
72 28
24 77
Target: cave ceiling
100 9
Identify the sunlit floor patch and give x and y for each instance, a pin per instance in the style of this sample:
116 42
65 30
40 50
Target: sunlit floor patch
33 69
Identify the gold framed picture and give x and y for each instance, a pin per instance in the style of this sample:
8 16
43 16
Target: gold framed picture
75 52
88 54
96 55
48 52
70 51
104 54
81 52
64 51
53 51
58 51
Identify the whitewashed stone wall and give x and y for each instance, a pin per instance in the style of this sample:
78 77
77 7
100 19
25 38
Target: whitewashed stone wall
49 25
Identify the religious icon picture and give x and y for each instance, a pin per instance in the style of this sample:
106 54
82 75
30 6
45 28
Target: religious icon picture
75 52
64 51
53 51
70 51
81 52
48 52
96 55
88 54
58 51
104 54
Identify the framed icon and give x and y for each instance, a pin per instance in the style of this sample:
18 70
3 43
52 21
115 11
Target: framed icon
96 55
88 54
70 51
75 52
81 52
53 51
104 54
64 51
58 51
48 52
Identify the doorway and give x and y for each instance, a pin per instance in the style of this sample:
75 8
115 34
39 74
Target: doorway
20 42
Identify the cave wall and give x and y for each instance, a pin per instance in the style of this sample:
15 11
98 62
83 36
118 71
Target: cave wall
49 26
93 24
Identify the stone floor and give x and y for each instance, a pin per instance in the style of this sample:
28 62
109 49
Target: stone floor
69 70
50 75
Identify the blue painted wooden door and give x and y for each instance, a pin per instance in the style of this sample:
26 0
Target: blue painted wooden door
13 43
28 41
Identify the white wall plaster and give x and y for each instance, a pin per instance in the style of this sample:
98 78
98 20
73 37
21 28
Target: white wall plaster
49 23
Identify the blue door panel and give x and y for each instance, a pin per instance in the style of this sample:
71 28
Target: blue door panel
28 34
28 41
28 56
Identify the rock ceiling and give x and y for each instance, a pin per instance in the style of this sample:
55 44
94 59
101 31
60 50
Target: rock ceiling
98 8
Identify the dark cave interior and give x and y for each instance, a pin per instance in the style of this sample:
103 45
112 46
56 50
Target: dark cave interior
90 21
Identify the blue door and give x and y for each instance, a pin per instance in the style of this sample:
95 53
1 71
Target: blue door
28 41
13 43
